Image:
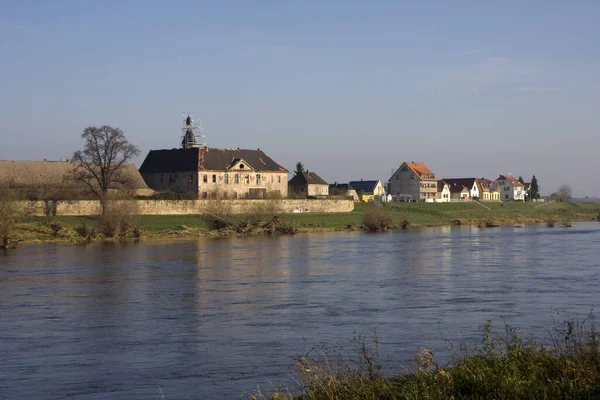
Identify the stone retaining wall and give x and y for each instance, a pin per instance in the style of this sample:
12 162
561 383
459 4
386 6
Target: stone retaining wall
188 207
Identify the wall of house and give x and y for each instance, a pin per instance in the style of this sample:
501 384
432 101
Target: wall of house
206 184
443 196
379 189
180 182
510 192
190 207
218 183
318 190
406 183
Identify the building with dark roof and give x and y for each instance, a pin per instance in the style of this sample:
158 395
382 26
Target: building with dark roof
308 184
368 190
343 190
463 188
208 172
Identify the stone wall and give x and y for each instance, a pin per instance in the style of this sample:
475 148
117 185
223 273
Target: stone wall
187 207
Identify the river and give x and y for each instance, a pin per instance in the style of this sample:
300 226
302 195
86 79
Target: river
212 318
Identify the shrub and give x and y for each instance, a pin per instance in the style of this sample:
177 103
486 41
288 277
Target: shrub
118 219
12 213
377 219
259 217
55 227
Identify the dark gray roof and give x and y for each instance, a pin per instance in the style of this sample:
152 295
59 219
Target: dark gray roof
307 177
364 186
457 185
341 186
206 158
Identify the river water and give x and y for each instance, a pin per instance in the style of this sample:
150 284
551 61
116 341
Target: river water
213 318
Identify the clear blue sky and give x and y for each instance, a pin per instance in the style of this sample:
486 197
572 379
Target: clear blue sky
350 88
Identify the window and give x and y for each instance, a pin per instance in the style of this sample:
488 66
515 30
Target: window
214 178
226 178
279 179
241 166
506 196
172 178
247 179
161 177
236 178
258 179
205 178
271 178
397 177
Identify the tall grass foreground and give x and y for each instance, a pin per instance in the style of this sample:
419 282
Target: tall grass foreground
503 366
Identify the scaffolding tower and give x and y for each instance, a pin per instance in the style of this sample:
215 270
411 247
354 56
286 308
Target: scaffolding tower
192 133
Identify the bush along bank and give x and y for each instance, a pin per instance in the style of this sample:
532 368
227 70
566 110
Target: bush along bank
503 366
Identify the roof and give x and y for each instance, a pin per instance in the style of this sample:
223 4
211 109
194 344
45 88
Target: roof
341 186
307 177
46 173
486 185
421 170
457 184
364 186
205 158
440 185
511 179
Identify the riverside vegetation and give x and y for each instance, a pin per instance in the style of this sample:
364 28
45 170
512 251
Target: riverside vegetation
504 365
268 220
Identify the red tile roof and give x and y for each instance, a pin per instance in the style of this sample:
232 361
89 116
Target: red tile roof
421 170
511 179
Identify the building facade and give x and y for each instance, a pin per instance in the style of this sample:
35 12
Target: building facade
443 192
488 190
414 181
463 188
206 172
510 188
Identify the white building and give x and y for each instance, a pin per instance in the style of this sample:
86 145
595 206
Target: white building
510 188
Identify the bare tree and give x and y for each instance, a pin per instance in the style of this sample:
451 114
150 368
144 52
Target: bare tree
99 166
564 193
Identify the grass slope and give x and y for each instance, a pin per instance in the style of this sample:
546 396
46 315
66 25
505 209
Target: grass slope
37 229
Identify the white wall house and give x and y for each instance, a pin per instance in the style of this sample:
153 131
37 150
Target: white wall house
510 188
463 188
443 192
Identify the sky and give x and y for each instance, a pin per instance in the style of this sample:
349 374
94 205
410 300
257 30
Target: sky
349 88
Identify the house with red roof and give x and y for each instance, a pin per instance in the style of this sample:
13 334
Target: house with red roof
414 181
510 188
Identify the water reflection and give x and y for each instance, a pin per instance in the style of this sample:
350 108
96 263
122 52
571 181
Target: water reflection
214 317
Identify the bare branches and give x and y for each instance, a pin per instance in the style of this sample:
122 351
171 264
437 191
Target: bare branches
99 166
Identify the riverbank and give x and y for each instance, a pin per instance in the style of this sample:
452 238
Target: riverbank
38 230
503 366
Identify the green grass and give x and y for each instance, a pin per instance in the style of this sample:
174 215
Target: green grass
503 366
417 214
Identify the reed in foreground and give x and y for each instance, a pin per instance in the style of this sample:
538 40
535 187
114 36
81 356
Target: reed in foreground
503 366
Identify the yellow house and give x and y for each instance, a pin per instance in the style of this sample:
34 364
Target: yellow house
488 190
367 190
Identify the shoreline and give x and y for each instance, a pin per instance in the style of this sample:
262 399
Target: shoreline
185 233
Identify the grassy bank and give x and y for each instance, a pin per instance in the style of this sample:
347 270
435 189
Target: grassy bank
36 229
503 366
